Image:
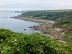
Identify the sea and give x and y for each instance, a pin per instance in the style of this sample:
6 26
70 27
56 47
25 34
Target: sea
16 25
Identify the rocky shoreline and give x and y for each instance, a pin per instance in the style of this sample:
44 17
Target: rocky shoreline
46 27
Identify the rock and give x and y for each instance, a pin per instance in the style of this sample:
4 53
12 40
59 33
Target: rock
24 29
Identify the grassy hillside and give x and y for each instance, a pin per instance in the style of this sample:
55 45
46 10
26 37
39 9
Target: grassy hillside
63 19
18 43
50 15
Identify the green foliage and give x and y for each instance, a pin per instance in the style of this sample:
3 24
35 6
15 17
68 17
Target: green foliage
62 18
46 14
18 43
66 22
68 37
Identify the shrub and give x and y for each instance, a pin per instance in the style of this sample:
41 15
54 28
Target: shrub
18 43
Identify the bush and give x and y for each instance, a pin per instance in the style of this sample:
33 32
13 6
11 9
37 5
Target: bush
18 43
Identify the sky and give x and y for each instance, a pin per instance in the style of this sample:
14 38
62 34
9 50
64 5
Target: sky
35 4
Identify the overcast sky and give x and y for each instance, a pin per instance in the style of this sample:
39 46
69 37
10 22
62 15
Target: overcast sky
35 4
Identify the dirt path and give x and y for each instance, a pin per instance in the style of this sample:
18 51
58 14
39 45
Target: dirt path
46 27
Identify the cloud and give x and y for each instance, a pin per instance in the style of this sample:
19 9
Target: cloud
36 4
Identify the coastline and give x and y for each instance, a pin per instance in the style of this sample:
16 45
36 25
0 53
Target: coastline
46 27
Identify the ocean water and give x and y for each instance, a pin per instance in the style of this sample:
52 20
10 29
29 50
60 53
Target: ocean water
16 25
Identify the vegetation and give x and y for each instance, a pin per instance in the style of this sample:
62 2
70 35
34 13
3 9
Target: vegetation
18 43
63 19
66 22
46 14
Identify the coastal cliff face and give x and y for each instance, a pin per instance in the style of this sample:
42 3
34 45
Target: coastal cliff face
46 27
62 18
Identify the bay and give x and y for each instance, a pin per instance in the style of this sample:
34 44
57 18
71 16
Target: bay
16 25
